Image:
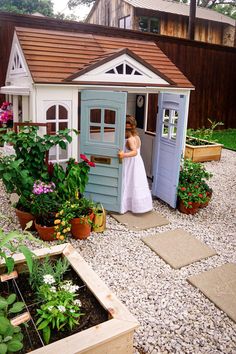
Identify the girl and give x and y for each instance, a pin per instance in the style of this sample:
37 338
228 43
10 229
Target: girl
136 196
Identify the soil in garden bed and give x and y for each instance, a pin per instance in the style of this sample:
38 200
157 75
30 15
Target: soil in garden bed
94 313
197 142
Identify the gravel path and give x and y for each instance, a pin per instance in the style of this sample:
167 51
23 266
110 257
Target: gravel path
174 316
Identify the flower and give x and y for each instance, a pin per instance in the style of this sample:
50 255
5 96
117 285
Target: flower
83 157
61 308
6 113
48 279
43 188
68 286
78 302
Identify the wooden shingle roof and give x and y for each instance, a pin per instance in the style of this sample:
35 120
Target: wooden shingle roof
55 56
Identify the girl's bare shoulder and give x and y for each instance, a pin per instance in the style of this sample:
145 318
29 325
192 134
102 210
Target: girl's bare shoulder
133 142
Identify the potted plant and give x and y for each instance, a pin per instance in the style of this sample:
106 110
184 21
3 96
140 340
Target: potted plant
193 192
45 203
199 145
76 216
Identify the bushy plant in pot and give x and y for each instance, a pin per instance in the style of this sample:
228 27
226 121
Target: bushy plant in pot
45 203
193 192
76 216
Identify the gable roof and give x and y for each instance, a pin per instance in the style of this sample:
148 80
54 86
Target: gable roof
55 56
179 8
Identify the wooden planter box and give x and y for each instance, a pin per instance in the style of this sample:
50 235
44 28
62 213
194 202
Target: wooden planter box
202 153
114 336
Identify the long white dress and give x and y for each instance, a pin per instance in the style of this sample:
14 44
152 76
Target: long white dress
136 195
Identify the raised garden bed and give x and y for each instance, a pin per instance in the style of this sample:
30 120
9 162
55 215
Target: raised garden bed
200 150
106 327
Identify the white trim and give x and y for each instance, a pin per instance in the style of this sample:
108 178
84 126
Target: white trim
99 74
15 90
25 72
130 89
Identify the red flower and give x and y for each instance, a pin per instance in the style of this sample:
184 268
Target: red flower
197 186
91 164
190 203
200 195
189 194
183 189
83 157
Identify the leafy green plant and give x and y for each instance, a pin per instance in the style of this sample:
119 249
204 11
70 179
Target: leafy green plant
16 179
202 133
71 183
12 242
57 269
10 336
30 147
60 308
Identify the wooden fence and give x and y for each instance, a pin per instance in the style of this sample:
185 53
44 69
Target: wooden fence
211 68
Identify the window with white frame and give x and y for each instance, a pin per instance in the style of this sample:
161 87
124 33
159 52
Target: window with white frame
17 66
123 69
57 116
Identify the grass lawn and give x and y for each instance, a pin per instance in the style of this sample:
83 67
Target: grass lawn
226 137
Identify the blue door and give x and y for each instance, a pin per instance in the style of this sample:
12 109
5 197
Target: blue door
102 135
169 144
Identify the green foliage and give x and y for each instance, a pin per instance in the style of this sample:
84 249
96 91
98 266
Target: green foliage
9 247
16 178
31 148
227 137
46 266
203 133
10 337
192 187
45 7
71 183
60 308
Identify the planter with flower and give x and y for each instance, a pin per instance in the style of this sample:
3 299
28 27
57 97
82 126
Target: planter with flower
193 192
76 216
44 206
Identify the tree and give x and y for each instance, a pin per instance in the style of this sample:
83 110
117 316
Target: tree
73 3
226 7
45 7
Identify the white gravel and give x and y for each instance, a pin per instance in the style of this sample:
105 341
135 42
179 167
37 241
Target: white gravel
174 316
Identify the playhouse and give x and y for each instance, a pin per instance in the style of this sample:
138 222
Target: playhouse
90 82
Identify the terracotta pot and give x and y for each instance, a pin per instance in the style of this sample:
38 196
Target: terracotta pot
80 227
45 232
24 217
183 209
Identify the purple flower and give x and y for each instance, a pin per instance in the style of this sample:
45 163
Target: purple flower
43 188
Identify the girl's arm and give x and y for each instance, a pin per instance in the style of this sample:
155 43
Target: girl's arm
132 146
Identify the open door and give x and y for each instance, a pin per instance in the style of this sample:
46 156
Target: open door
169 143
103 116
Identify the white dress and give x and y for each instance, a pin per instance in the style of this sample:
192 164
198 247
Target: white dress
136 195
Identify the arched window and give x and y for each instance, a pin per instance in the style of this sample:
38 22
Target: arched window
57 115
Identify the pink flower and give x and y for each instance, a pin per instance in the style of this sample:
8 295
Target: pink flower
91 164
83 157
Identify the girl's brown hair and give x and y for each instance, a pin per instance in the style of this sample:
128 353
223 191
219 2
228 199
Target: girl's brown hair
132 121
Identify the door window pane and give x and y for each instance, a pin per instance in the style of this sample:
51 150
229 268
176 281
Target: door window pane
62 126
63 154
95 133
51 113
110 117
63 114
109 135
95 115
